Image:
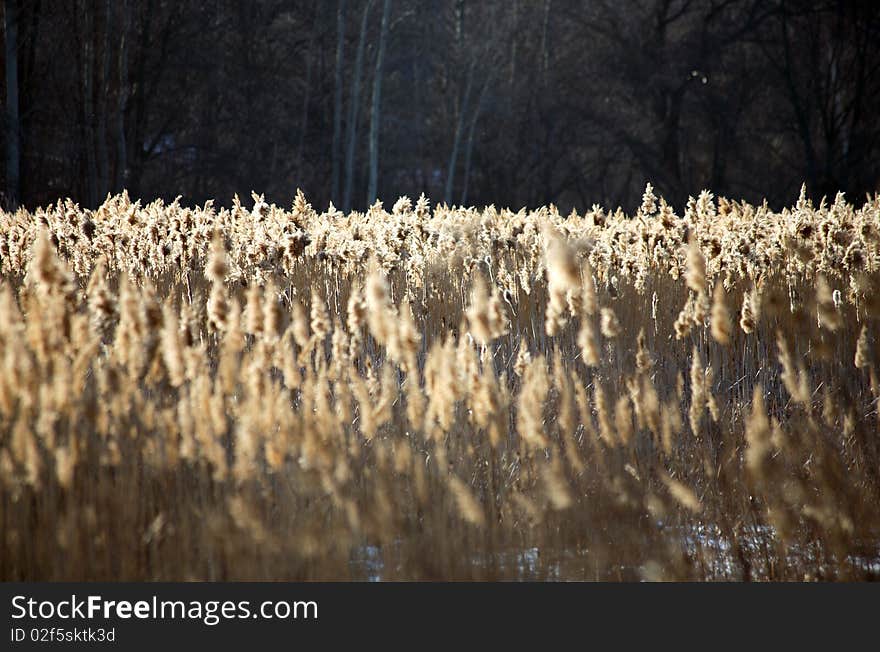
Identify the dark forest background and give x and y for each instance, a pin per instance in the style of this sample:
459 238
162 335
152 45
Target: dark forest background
513 102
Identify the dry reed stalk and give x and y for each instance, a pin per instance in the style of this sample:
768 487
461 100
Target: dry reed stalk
278 389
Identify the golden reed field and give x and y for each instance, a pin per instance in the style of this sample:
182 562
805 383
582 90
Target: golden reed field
440 393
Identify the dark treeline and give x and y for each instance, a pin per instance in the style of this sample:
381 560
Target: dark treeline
513 102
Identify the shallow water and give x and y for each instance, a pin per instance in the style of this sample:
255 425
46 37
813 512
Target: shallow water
704 543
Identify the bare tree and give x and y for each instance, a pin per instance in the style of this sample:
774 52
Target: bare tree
351 131
122 97
13 127
459 131
336 152
88 101
469 146
495 101
307 96
103 153
375 110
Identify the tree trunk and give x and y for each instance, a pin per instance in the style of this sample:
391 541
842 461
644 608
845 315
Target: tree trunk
375 111
799 109
459 129
336 154
122 95
103 154
13 127
351 131
138 125
671 146
469 147
545 42
87 72
307 97
513 43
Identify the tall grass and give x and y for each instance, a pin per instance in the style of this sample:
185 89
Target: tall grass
259 393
